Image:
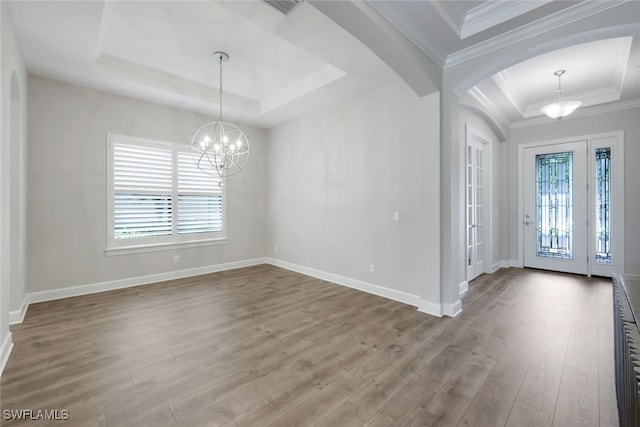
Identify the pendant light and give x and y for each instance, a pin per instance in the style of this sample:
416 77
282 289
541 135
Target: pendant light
560 108
220 148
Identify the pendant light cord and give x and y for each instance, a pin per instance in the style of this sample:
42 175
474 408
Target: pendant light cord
220 90
559 91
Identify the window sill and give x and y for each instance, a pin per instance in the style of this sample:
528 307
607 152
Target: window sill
137 249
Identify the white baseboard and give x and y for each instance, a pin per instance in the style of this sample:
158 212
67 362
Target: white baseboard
17 316
463 288
452 310
5 351
381 291
424 306
429 307
516 263
74 291
498 265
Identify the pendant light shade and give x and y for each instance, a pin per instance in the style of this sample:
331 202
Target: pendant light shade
560 108
220 148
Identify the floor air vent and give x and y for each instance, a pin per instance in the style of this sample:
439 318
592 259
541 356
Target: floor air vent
283 6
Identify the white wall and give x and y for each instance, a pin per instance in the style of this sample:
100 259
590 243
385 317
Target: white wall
12 178
67 188
498 184
629 122
335 178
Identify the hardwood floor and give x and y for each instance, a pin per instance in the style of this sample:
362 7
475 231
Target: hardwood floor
262 346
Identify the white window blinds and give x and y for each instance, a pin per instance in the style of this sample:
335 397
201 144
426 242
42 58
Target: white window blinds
199 198
142 187
158 196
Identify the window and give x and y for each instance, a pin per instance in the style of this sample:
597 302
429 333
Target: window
554 205
159 199
603 205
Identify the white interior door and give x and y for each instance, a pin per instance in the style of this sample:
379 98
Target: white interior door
476 204
556 207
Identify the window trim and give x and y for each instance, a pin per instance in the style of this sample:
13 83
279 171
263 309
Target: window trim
154 244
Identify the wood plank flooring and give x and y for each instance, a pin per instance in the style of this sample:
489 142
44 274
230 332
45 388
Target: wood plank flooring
263 346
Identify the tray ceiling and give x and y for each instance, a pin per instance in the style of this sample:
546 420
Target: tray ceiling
284 65
162 51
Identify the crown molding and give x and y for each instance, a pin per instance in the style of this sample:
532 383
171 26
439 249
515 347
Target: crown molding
489 106
548 23
582 112
430 49
492 13
484 16
502 79
413 33
451 14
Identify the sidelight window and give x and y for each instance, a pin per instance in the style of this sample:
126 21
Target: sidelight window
603 205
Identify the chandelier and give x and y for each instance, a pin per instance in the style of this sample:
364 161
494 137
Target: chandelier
560 108
220 148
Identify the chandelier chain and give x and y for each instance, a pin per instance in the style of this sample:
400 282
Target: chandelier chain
559 90
220 91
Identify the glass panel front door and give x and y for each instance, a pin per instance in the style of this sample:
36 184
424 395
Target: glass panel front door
554 205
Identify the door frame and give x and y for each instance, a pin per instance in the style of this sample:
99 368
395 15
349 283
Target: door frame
617 156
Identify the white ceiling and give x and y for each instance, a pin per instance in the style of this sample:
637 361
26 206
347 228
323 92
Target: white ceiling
603 74
600 73
282 66
451 32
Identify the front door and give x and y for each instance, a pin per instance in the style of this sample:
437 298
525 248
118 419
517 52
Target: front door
556 207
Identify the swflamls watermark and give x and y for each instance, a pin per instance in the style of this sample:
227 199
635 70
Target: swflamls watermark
36 414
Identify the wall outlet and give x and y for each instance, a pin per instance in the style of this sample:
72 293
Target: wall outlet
372 269
275 248
396 216
176 259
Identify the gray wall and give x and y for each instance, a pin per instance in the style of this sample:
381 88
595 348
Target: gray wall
67 188
13 135
629 122
336 176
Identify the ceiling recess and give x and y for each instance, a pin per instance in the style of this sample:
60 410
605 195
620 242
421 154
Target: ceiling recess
283 6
